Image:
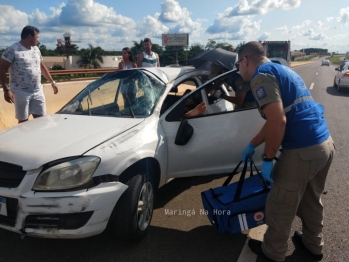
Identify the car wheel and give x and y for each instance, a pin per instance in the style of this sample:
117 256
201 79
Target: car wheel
339 87
133 212
334 83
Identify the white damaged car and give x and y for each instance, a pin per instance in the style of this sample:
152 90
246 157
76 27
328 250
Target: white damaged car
96 163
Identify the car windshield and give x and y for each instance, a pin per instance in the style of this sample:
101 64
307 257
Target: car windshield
127 93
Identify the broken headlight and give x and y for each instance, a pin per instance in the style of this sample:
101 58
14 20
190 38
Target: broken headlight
67 175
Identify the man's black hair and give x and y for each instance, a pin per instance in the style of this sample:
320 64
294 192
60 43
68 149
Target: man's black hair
29 30
147 40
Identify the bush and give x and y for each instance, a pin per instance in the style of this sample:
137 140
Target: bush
57 67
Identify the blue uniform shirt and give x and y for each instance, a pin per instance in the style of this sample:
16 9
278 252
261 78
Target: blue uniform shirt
305 121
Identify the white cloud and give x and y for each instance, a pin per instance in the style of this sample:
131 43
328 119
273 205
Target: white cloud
187 26
91 13
344 15
263 36
227 22
172 12
309 32
302 25
150 26
233 28
12 21
320 36
323 26
260 7
329 19
282 29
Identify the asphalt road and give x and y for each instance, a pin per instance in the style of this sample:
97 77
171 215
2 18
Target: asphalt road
187 234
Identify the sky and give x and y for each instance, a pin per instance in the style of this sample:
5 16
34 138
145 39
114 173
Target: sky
114 24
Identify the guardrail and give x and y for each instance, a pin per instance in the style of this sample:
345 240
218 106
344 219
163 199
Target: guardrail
80 71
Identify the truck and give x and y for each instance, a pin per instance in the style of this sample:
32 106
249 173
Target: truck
278 49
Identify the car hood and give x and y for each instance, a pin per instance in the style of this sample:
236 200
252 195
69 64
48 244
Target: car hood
42 140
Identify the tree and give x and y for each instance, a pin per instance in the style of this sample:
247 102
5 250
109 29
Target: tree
174 54
90 57
223 45
195 49
238 47
136 49
211 44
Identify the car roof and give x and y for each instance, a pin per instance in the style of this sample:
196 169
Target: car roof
168 74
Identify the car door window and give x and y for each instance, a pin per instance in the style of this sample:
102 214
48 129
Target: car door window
190 100
213 92
176 93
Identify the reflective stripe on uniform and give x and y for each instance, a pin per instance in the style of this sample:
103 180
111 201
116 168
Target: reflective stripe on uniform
297 101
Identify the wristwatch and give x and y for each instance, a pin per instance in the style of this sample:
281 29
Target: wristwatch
53 82
265 159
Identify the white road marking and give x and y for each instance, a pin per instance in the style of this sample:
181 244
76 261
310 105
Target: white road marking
246 254
311 86
317 73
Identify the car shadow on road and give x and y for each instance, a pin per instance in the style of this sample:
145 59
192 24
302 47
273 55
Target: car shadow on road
334 92
175 187
160 244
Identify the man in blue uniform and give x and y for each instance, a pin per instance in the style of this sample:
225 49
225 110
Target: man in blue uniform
295 122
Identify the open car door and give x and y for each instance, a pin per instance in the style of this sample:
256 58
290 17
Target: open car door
208 144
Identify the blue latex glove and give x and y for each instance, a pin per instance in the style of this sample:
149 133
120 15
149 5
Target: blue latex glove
266 169
248 152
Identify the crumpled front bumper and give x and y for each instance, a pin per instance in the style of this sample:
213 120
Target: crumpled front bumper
75 214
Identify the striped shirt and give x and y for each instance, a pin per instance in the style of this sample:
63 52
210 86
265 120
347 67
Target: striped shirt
149 60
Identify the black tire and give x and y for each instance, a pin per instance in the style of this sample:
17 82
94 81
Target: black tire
334 83
132 213
339 89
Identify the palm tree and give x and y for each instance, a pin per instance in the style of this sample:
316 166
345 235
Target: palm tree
89 57
136 49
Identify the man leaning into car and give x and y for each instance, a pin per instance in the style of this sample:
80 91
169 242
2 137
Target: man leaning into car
296 122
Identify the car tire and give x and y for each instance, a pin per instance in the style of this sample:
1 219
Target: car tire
339 89
334 83
132 213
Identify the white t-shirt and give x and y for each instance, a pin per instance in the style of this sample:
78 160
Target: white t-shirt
25 70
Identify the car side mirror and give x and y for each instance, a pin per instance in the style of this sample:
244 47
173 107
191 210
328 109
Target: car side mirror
184 133
337 69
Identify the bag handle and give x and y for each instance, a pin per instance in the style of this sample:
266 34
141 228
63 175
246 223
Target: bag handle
242 179
227 181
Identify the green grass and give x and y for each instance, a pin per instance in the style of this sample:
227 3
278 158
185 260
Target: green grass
69 77
335 59
307 58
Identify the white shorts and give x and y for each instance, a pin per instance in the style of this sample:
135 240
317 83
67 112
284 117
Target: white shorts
27 103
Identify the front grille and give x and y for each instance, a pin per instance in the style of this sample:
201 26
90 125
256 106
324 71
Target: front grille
12 208
59 221
10 175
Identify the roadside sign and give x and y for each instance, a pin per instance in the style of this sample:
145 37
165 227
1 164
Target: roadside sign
175 39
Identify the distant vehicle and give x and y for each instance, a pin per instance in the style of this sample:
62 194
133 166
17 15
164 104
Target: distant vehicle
325 62
341 79
279 60
279 49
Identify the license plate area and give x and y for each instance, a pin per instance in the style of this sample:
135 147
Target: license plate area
3 206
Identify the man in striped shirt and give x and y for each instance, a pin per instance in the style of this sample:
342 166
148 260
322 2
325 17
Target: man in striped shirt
148 58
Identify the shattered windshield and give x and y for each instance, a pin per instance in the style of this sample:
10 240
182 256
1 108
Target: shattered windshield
127 93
